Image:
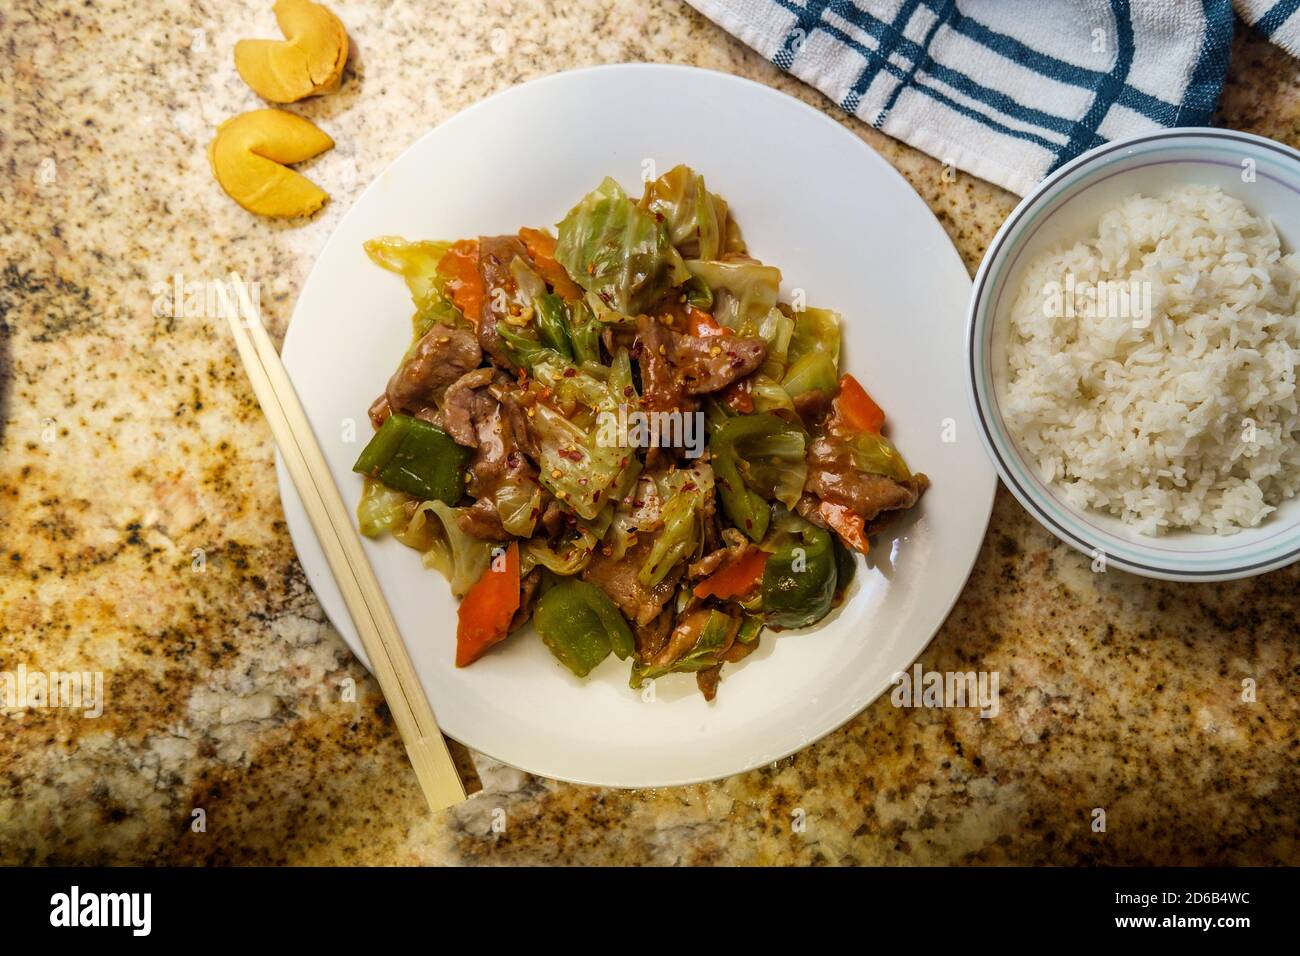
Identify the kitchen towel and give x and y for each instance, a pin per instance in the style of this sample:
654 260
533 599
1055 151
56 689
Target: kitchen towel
1276 19
1007 90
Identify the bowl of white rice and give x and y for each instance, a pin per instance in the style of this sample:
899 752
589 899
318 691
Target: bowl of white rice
1134 341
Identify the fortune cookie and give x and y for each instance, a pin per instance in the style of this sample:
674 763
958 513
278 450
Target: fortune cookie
309 60
248 157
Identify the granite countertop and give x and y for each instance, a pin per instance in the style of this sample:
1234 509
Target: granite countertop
143 534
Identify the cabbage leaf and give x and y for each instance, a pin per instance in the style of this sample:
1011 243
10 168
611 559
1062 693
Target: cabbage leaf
435 533
617 251
686 494
744 290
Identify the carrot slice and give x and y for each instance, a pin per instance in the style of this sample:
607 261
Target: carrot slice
702 324
541 247
735 578
464 283
847 523
485 612
856 408
738 397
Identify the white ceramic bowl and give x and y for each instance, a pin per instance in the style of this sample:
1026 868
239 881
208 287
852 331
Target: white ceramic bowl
1064 208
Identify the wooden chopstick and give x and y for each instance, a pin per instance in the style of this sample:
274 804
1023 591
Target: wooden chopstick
332 522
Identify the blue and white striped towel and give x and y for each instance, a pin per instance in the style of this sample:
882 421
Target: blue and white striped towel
1276 19
1008 90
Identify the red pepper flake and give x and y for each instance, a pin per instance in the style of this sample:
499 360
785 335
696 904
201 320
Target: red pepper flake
689 486
628 391
570 372
748 523
596 496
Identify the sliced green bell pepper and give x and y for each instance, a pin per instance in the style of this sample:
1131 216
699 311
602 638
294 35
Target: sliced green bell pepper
846 566
411 455
581 625
799 579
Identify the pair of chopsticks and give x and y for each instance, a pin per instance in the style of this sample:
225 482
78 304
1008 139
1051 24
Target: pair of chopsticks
332 522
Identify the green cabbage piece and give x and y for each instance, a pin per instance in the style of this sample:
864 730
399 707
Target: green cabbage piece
709 643
637 510
686 494
567 558
775 328
618 251
744 290
460 557
584 333
599 387
695 218
813 355
768 395
417 263
773 464
581 471
551 315
382 509
876 455
572 384
561 334
529 285
604 314
519 502
816 330
813 370
524 348
428 527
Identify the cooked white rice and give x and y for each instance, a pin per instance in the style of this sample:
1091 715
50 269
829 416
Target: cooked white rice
1186 420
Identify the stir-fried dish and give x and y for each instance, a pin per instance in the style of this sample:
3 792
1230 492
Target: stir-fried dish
623 434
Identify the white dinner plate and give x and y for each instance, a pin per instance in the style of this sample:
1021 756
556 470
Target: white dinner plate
842 225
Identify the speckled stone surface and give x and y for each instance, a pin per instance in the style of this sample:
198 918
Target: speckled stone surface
141 533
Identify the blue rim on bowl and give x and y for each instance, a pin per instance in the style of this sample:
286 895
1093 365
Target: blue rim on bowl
1200 155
